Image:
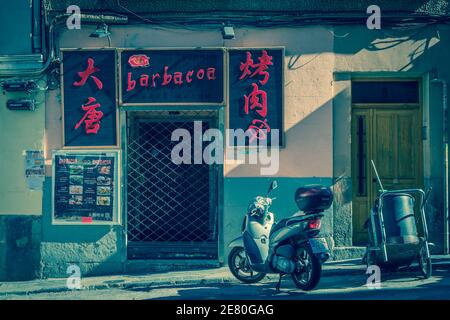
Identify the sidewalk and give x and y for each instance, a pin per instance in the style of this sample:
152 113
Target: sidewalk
194 277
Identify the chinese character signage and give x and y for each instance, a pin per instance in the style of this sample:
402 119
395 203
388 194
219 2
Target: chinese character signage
84 187
256 93
89 93
172 76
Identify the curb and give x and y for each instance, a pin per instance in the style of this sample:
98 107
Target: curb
130 285
186 281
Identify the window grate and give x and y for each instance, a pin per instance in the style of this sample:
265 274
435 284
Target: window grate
168 202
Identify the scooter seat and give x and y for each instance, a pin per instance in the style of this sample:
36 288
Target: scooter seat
282 223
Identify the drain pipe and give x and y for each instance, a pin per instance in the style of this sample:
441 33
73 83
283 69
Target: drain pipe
445 161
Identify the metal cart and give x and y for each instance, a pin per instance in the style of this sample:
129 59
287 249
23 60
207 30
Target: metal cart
394 240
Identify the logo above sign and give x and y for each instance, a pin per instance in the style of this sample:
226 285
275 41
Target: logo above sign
172 76
139 60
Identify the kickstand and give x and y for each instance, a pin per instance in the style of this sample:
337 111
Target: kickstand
279 283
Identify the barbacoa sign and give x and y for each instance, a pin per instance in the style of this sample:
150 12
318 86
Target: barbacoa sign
172 76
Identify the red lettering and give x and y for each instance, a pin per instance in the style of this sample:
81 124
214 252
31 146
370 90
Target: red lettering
92 116
189 76
167 78
261 68
245 66
200 74
143 81
131 83
211 73
257 99
156 75
178 78
84 75
258 129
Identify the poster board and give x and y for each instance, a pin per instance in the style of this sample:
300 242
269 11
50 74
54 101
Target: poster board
85 188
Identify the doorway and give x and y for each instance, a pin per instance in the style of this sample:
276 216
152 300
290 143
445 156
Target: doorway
171 208
390 134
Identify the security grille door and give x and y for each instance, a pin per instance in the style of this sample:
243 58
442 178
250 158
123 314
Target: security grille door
171 209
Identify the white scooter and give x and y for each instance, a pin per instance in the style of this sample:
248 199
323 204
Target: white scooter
291 246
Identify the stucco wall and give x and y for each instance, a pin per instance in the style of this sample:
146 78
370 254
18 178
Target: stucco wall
20 207
19 131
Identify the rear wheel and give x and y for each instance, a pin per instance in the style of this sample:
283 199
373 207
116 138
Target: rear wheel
425 265
308 269
240 266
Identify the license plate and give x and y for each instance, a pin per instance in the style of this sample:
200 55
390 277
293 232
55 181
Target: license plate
318 245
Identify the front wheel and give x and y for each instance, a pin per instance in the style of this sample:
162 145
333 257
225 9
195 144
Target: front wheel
240 266
308 269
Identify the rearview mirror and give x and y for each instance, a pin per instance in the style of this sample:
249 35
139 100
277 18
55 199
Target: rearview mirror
273 186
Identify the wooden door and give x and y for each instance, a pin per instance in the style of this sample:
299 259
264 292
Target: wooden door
391 137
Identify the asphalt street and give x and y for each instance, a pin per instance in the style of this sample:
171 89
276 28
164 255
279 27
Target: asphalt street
401 285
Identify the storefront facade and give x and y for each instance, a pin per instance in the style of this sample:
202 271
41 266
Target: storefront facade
341 96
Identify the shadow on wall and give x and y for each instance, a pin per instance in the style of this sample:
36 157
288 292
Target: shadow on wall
309 151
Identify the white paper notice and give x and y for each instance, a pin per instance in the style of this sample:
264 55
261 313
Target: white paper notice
34 169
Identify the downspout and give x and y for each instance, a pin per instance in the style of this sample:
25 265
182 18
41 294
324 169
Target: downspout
445 161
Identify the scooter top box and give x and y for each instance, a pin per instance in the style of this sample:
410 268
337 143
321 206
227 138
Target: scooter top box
313 198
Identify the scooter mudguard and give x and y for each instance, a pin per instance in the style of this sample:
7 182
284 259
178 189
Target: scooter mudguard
238 242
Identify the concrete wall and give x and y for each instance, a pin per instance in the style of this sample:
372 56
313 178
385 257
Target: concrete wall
20 207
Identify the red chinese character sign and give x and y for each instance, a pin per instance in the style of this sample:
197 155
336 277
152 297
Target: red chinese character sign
256 93
89 94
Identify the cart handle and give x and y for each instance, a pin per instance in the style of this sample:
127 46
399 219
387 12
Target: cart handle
426 196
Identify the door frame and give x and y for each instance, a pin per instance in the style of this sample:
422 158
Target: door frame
124 118
387 106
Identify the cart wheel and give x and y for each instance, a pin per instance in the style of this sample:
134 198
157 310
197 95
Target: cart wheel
424 263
